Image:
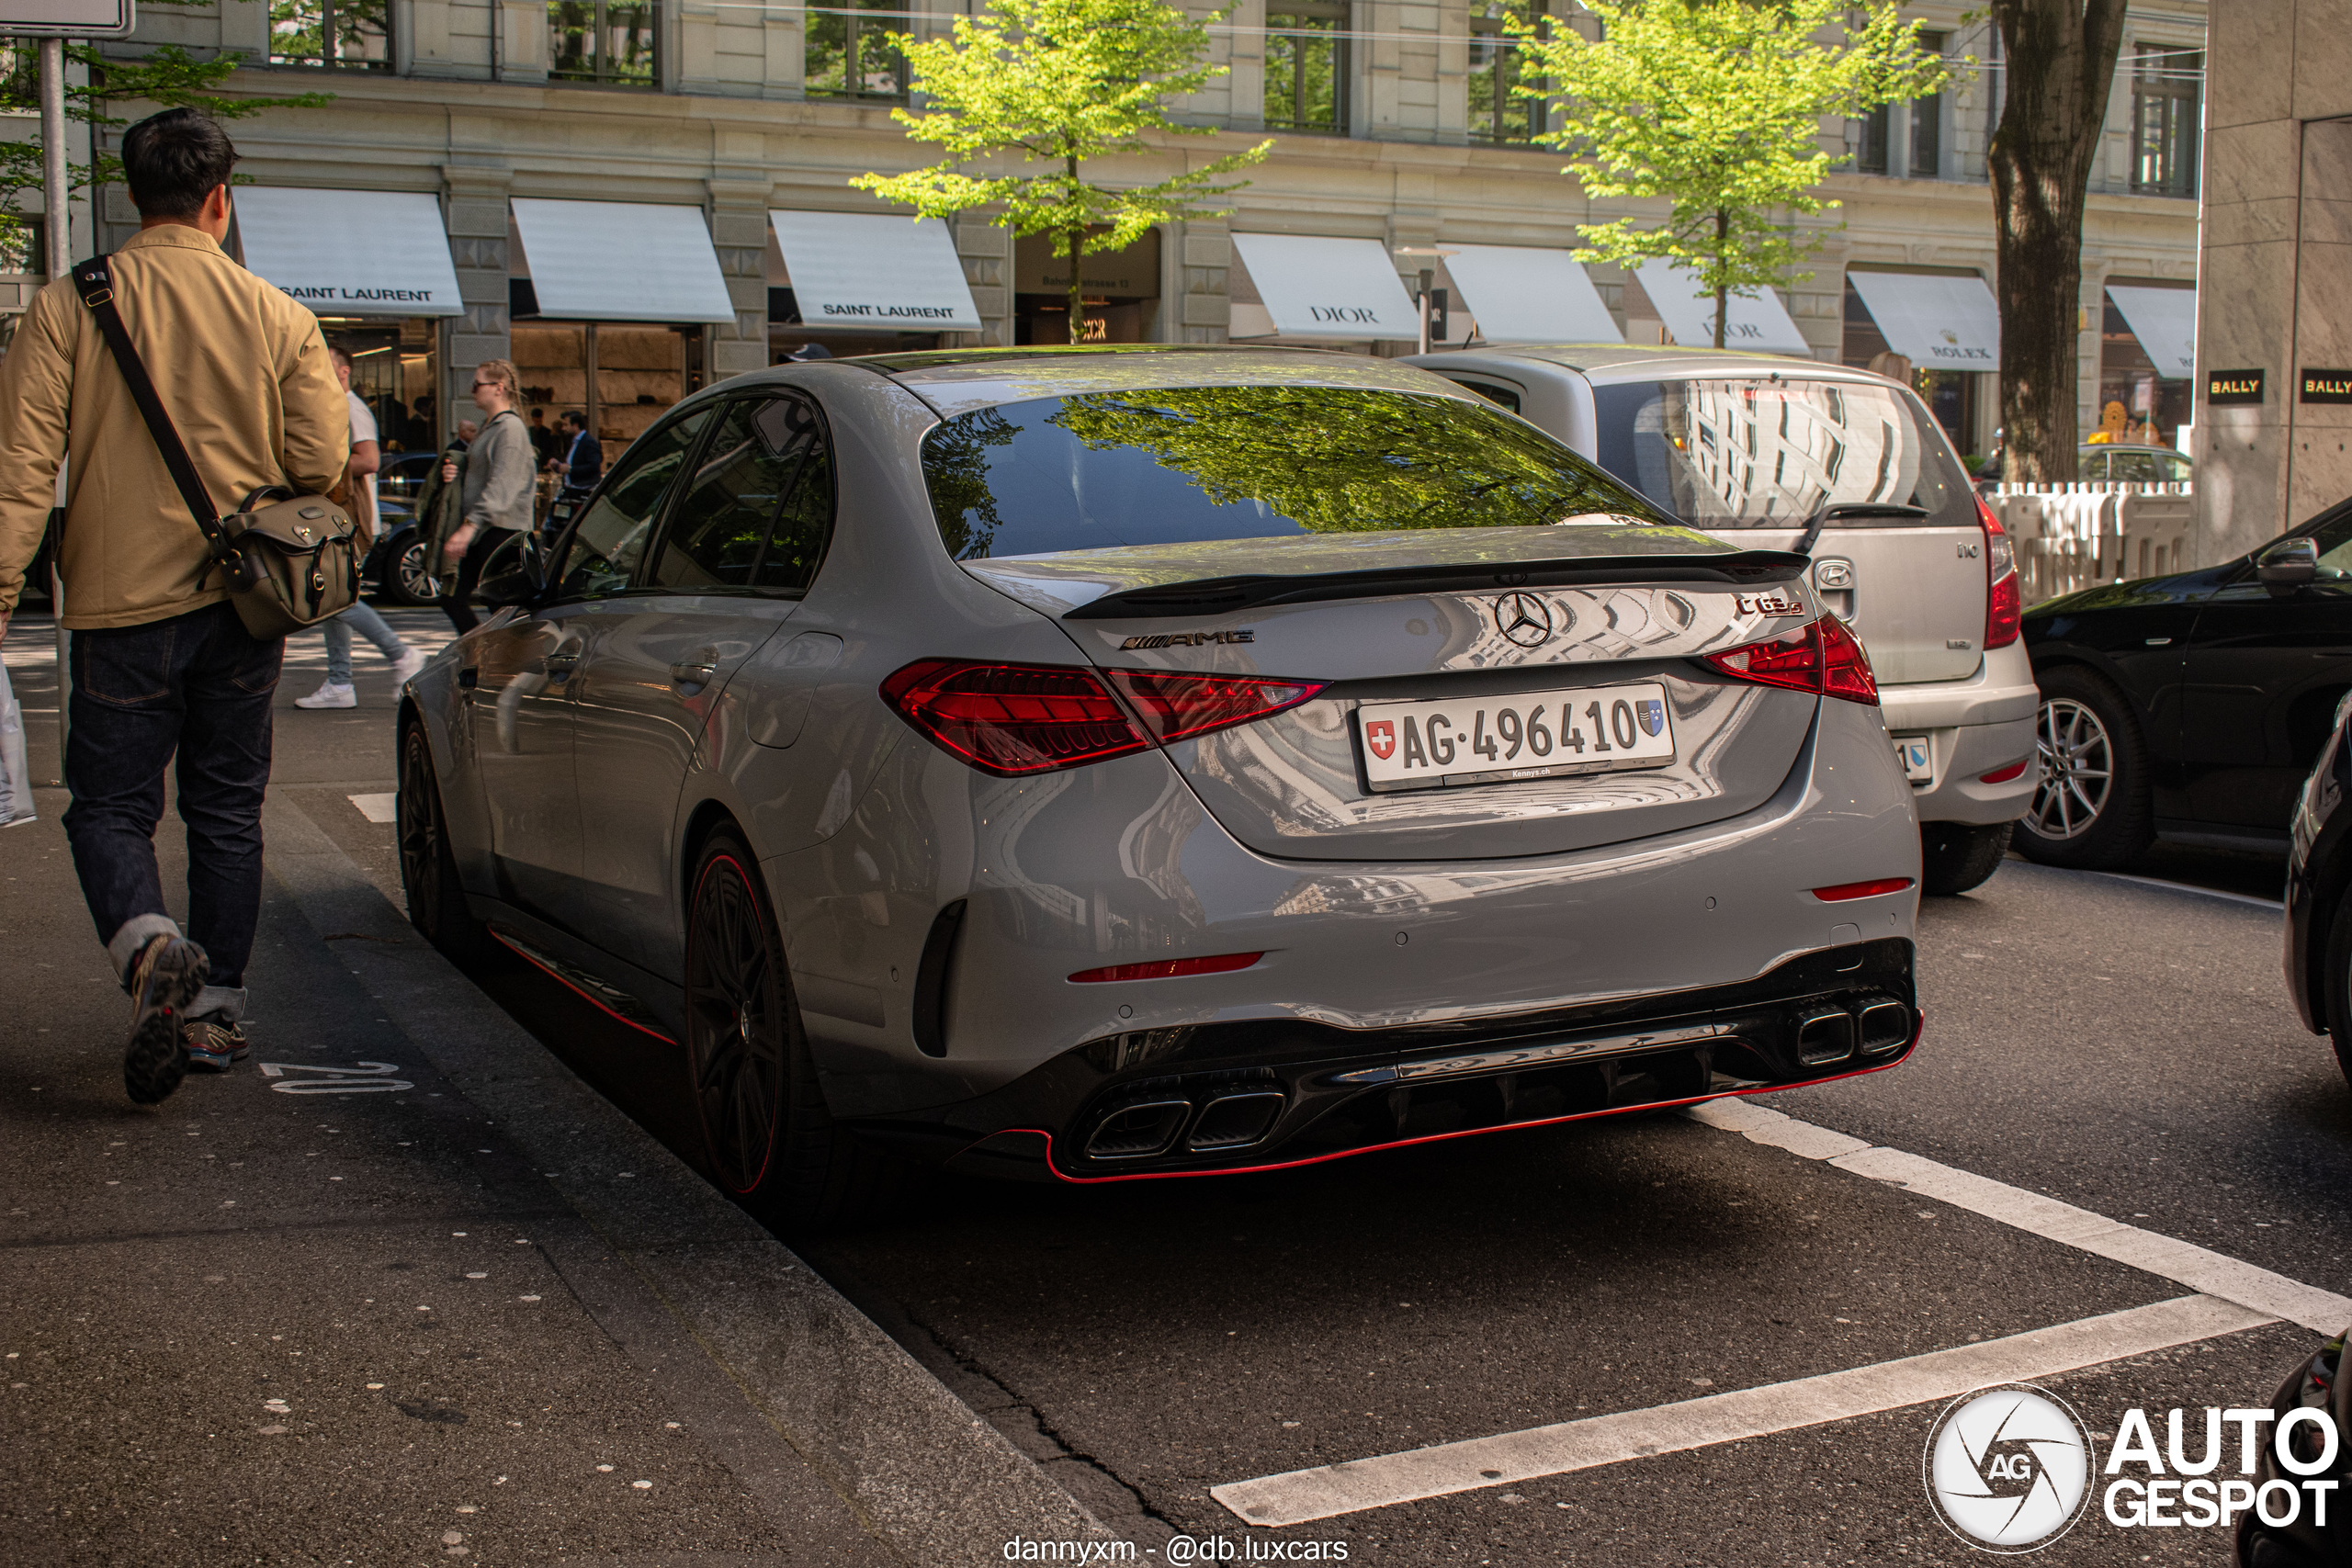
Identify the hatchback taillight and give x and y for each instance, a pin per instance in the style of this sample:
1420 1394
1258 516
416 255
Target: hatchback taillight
1823 657
1032 718
2004 595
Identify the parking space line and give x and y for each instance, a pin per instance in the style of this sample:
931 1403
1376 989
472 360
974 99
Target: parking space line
2184 1263
2272 904
381 808
1352 1486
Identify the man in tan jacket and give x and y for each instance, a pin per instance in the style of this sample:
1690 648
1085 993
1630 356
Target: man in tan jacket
160 663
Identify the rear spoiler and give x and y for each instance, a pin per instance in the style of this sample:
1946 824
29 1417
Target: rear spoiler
1736 569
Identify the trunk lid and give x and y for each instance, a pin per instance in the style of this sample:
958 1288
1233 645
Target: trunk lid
1526 639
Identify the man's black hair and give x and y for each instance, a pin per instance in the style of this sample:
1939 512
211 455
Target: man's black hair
174 160
575 417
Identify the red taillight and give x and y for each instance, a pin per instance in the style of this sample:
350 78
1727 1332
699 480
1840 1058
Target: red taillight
2003 775
2004 596
1176 705
1823 657
1170 968
1845 890
1014 718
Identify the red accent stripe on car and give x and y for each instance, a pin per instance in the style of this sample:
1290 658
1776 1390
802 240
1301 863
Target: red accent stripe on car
535 961
1917 1029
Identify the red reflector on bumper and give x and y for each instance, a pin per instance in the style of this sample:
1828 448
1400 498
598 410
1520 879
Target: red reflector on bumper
1845 890
1170 968
2003 775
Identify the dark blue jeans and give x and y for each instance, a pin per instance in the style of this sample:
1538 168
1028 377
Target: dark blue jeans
198 686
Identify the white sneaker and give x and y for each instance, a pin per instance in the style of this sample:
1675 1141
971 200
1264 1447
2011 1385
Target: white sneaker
406 667
329 696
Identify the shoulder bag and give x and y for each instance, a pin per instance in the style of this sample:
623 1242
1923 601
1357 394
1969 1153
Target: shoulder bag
290 561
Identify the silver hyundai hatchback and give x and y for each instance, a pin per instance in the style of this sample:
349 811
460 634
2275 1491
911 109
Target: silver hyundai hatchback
1099 765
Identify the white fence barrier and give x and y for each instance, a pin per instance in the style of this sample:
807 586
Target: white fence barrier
2077 536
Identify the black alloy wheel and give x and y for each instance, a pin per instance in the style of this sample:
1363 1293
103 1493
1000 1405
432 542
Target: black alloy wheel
405 580
768 1137
437 900
738 1024
2091 810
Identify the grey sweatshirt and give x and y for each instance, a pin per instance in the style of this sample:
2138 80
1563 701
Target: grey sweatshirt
499 474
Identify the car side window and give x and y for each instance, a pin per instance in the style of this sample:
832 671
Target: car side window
608 542
2334 542
1501 396
797 544
735 526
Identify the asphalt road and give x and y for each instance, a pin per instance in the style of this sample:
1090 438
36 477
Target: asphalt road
2121 1046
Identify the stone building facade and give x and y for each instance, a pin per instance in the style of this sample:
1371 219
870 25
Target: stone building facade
1391 126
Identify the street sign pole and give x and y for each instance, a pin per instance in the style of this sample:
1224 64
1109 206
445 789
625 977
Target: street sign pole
57 230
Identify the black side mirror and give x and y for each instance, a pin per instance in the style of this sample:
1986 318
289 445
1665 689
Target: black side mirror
2288 566
513 574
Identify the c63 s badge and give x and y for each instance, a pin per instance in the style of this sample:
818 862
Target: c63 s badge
1184 639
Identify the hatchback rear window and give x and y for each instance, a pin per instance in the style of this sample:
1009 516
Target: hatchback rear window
1188 464
1768 453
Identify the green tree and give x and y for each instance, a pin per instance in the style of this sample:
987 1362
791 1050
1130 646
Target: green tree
169 77
1716 107
1058 84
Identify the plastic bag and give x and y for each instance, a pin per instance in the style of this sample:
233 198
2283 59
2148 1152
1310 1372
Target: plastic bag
15 778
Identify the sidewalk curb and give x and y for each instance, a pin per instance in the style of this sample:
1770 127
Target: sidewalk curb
928 1476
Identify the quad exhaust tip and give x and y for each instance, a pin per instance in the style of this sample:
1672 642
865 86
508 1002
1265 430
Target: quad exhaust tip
1151 1127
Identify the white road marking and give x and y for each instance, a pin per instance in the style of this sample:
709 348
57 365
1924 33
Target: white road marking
2188 887
1352 1486
368 1077
2215 1273
377 807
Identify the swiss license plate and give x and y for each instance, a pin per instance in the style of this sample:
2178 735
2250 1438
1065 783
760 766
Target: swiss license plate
1918 758
1536 734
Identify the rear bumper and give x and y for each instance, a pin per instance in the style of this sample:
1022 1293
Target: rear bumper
1975 726
1253 1095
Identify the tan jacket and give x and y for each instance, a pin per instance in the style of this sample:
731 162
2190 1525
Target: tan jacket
246 376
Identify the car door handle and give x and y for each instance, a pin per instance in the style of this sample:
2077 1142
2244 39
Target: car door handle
696 668
559 666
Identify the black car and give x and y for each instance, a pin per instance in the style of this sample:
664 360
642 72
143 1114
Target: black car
2190 707
2317 1385
2319 897
396 564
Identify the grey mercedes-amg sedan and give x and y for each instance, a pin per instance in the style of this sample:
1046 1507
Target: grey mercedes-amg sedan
1092 765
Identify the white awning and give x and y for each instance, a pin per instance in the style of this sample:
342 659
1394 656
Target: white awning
1935 322
1759 322
1521 294
350 253
1335 290
2165 320
616 261
872 269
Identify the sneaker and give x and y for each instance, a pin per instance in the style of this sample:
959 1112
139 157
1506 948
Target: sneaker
164 978
213 1045
406 667
329 696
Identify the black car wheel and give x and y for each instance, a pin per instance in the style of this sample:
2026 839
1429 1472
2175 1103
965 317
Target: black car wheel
1957 856
2091 809
768 1136
2339 984
404 579
437 900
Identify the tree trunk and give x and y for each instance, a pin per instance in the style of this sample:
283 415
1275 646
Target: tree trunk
1723 294
1077 268
2060 59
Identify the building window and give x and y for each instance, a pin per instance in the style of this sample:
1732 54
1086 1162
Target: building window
1878 147
850 56
611 41
1496 111
1928 121
1306 66
347 34
1869 152
2164 120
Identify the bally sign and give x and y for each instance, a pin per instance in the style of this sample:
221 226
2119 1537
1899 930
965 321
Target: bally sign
1316 287
875 270
2327 386
2226 388
350 253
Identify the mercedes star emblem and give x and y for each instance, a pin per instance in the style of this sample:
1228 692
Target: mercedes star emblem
1524 619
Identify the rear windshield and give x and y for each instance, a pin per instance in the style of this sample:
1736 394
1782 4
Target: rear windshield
1183 464
1768 454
